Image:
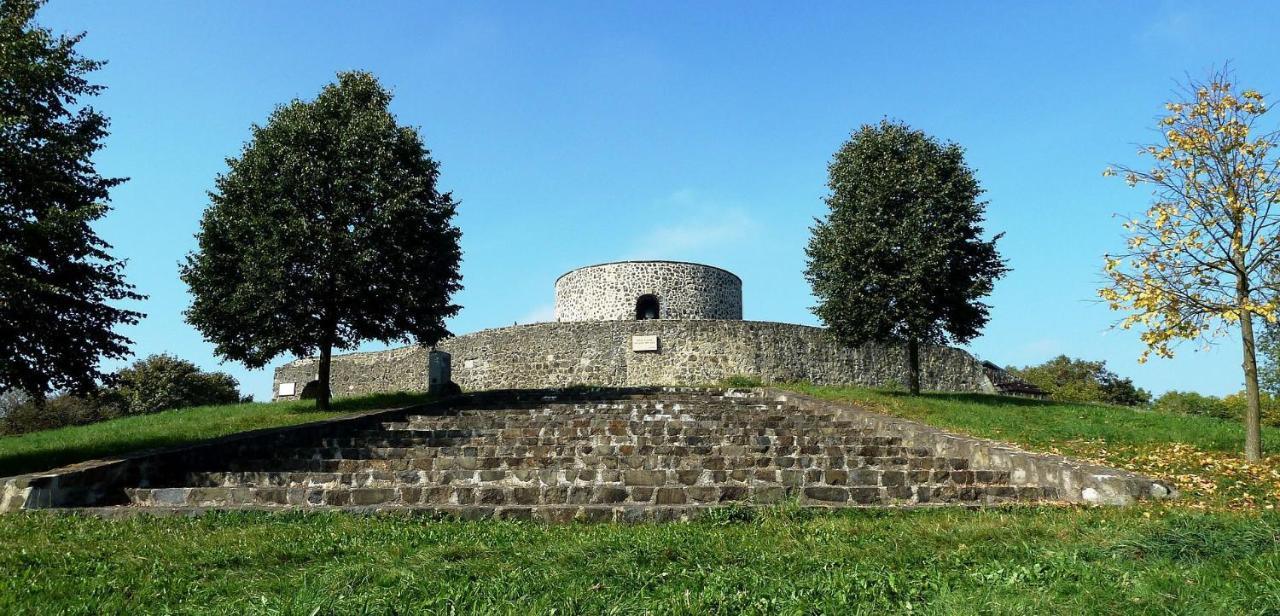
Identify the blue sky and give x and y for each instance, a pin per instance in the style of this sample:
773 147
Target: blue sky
576 133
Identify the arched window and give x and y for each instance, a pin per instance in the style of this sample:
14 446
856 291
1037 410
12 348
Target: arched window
646 307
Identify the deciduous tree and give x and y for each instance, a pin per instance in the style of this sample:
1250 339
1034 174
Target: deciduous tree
59 286
901 257
1077 380
326 231
1201 261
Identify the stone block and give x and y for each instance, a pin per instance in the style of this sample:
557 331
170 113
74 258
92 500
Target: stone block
826 494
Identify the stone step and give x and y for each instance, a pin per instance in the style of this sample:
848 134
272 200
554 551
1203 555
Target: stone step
493 442
497 447
421 422
762 468
629 411
590 453
621 428
562 476
823 495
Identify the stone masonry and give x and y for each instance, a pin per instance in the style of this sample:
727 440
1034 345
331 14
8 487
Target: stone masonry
610 292
646 323
601 353
622 455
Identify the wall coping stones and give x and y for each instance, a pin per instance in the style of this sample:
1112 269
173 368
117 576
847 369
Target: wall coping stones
1076 480
648 261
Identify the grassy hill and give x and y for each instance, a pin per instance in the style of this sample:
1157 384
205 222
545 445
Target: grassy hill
49 449
1213 551
1199 454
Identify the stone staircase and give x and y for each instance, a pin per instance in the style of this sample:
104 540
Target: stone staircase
659 454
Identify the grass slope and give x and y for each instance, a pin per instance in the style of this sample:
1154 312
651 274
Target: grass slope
38 451
1217 550
1041 424
1021 561
1201 455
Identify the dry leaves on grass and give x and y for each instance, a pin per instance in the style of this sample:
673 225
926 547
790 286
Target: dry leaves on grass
1206 479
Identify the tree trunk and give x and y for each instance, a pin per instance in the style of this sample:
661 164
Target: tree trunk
326 358
913 366
1253 410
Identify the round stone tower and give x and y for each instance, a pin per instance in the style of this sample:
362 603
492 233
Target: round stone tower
637 290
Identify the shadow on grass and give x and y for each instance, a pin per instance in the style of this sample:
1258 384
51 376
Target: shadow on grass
972 398
374 402
49 449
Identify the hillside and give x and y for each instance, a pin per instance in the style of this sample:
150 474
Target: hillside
1213 551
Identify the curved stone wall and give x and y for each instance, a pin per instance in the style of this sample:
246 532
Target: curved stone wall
603 353
610 292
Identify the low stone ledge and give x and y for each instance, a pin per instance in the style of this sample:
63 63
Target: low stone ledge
96 483
1077 481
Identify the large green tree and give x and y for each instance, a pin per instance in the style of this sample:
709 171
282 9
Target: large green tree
326 231
57 281
901 258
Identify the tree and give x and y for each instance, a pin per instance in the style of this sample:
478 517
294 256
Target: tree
57 280
1268 346
1078 380
1201 261
162 382
328 230
901 257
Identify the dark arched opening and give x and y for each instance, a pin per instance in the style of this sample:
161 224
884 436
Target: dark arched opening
646 307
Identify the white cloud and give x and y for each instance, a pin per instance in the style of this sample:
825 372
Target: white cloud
696 228
541 314
1173 25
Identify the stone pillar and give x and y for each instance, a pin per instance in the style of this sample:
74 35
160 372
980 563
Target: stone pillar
439 371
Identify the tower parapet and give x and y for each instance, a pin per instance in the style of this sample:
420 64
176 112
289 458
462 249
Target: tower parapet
640 290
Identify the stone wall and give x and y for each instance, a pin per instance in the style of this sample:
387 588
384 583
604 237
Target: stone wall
609 292
600 353
355 374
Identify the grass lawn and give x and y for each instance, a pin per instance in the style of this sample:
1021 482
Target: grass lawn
1215 551
48 449
1048 560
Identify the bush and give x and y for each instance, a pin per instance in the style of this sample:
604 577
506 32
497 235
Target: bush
162 382
1269 402
1192 403
30 415
741 380
1229 407
1076 380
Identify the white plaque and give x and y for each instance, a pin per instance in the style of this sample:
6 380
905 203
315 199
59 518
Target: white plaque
286 389
644 343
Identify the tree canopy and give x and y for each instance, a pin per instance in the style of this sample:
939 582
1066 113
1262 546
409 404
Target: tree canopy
327 230
58 282
1068 379
1201 261
901 256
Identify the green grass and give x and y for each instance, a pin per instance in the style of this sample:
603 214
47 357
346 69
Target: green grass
1199 455
49 449
1214 551
1040 424
1020 561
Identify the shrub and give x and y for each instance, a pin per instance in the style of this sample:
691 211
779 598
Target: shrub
1068 379
741 380
1270 403
1192 403
1229 407
162 382
31 415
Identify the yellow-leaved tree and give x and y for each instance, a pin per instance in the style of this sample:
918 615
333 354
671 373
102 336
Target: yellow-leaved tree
1203 260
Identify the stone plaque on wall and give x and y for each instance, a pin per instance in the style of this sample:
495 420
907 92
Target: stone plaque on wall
286 389
644 343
